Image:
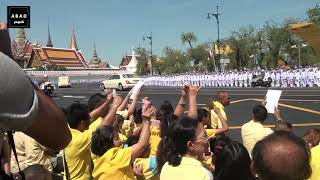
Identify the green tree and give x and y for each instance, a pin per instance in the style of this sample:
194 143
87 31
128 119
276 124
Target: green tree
175 61
276 37
189 38
244 45
314 14
142 66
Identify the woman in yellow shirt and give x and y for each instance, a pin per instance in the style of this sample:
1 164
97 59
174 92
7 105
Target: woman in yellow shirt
114 162
186 144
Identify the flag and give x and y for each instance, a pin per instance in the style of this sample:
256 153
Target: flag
211 53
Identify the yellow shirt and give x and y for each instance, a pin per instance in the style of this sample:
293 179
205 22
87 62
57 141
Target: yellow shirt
211 133
115 164
154 139
78 153
150 167
252 132
122 137
215 120
37 154
189 169
19 141
29 152
315 165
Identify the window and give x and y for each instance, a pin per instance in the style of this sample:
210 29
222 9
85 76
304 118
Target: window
130 76
116 77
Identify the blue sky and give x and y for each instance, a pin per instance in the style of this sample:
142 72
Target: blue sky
117 25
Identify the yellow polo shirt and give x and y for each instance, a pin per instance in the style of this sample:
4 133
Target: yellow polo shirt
189 169
115 164
154 139
252 132
78 152
215 120
315 165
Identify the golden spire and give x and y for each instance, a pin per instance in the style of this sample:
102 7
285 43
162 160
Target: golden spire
73 44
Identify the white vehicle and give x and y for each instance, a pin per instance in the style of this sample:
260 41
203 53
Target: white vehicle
64 81
120 81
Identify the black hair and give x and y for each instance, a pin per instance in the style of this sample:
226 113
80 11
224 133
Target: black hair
138 116
76 113
290 160
118 120
174 146
166 115
132 140
260 113
232 160
95 101
202 113
102 140
37 172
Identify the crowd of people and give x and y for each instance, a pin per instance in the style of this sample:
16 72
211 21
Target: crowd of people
111 137
296 77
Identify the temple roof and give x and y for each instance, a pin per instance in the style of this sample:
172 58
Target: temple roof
68 58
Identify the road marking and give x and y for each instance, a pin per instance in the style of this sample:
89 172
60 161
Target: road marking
240 100
77 97
272 126
295 107
300 100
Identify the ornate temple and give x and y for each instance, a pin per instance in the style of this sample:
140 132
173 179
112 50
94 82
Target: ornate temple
69 58
130 62
96 62
22 49
29 55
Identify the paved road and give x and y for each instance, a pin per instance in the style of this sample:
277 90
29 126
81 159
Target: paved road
300 106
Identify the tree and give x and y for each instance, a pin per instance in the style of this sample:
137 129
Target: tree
175 61
189 38
314 14
142 66
244 45
276 36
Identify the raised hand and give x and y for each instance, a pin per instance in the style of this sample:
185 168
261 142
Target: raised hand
117 101
109 97
185 91
194 90
148 112
277 114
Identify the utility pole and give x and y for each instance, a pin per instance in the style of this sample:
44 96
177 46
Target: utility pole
151 56
216 15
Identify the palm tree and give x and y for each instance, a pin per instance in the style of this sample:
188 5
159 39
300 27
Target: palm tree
189 38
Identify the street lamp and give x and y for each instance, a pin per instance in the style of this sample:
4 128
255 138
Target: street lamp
299 46
216 15
150 38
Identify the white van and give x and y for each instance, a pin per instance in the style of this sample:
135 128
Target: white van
64 81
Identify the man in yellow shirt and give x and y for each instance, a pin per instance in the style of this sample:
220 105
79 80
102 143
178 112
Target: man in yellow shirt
222 100
30 152
253 131
315 165
77 155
